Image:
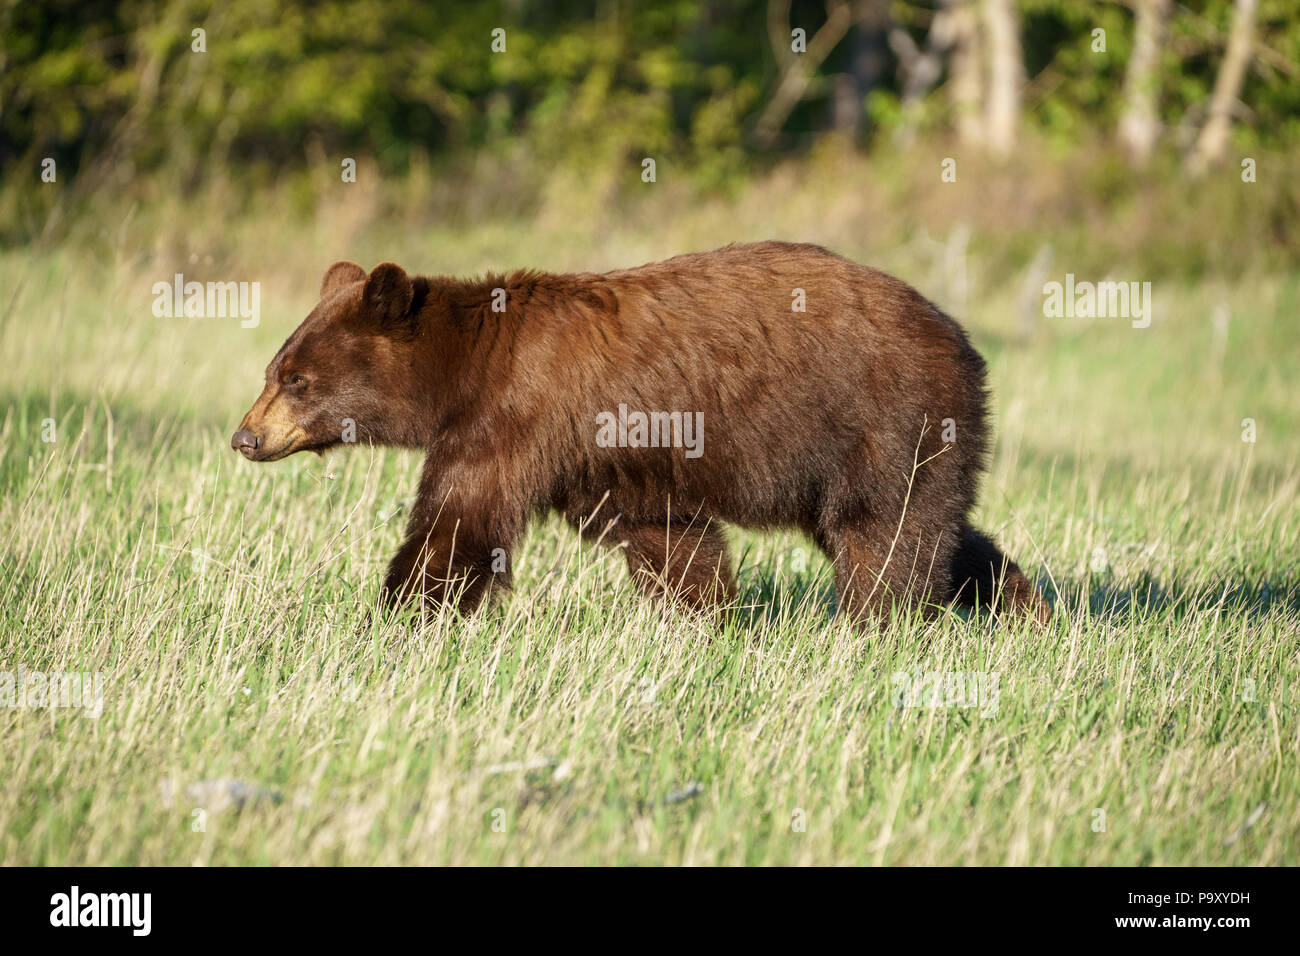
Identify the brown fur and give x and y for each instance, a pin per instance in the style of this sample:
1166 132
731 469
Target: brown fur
827 420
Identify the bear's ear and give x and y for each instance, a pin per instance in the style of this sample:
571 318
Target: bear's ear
388 293
340 274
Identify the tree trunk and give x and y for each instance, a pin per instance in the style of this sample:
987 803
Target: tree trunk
797 69
1227 88
866 67
920 68
964 74
1006 74
1139 126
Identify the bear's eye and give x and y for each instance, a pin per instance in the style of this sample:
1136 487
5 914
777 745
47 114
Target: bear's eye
297 381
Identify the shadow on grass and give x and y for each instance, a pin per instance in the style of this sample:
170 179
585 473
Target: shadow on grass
771 597
1149 598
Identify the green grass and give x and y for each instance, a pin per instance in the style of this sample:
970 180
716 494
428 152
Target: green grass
227 603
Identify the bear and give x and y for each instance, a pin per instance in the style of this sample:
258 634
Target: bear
765 385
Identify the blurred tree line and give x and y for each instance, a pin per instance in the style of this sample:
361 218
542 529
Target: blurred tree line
181 84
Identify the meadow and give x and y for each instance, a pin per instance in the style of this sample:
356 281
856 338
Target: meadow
254 712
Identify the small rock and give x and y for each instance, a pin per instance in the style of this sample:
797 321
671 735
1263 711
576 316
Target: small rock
692 789
222 794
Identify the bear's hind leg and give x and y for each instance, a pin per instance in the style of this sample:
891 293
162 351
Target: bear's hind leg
985 578
686 561
881 567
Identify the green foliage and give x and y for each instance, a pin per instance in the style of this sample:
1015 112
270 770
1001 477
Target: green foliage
579 85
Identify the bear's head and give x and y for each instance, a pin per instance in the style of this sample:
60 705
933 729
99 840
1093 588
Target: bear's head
339 376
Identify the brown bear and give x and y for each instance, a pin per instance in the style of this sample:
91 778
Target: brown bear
771 385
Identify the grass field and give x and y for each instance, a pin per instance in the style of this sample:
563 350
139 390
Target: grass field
226 604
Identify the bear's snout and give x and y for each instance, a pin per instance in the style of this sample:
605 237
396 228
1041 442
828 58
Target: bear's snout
245 442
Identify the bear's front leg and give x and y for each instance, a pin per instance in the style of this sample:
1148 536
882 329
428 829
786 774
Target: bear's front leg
457 546
444 568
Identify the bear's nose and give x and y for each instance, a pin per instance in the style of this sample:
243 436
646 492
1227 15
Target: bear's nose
245 441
